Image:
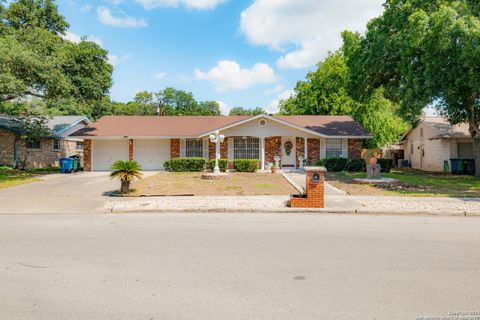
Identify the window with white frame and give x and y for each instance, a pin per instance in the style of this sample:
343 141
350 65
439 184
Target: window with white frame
194 148
246 148
56 145
79 145
334 148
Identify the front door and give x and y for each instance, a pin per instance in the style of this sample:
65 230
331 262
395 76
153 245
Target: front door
288 152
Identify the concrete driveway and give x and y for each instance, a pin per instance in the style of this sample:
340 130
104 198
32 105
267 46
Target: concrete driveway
60 193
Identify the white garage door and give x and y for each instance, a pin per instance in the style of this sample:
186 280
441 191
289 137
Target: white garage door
106 152
151 154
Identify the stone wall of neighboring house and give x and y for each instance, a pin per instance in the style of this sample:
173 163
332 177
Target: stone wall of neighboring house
272 148
355 148
174 148
6 147
313 150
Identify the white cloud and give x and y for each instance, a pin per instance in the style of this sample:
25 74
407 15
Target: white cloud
160 75
193 4
313 27
277 89
228 75
106 17
272 108
224 108
86 8
113 59
75 38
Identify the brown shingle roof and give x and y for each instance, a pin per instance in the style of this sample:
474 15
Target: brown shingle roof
193 126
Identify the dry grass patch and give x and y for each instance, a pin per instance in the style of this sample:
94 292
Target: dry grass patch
237 184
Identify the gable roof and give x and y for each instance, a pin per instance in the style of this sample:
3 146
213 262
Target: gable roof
59 124
444 129
10 124
197 126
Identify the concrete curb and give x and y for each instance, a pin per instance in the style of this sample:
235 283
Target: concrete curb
325 211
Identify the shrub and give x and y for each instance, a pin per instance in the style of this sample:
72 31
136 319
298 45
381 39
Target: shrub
245 165
222 164
356 165
185 165
342 164
385 164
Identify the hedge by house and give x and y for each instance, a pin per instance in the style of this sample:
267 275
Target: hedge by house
245 165
185 165
352 164
222 164
342 164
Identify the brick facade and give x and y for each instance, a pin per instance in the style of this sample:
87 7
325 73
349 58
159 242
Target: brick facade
354 148
313 150
273 146
300 147
223 149
87 155
315 192
174 148
130 149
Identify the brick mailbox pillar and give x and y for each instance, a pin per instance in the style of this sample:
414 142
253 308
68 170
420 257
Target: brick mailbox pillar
315 190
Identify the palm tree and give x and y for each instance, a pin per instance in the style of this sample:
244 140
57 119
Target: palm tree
126 171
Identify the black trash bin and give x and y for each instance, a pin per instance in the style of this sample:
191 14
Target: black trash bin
469 167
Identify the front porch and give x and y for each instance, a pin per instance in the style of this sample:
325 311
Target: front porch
287 151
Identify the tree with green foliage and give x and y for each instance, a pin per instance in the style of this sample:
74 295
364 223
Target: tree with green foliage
126 171
424 52
36 61
239 111
326 92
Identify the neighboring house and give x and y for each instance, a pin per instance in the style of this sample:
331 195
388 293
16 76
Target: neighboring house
434 141
41 152
153 140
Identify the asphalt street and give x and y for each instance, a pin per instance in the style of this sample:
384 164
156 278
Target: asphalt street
237 266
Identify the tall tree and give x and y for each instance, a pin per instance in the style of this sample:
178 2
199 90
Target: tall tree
425 52
36 61
326 91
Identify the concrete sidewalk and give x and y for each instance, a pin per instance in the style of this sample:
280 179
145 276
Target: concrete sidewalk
334 204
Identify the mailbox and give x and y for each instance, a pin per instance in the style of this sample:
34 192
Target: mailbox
314 196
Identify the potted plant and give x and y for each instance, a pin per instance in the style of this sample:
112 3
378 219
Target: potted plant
126 171
301 160
273 168
277 158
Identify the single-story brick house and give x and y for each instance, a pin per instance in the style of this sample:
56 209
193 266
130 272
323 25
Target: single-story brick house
152 140
434 141
41 152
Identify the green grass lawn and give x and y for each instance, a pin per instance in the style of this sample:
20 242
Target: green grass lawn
11 178
418 183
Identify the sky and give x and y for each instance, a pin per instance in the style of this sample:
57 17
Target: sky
237 52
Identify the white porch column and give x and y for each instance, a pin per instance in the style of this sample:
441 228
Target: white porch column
305 154
262 153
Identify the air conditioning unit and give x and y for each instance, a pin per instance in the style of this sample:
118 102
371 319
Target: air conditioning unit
403 163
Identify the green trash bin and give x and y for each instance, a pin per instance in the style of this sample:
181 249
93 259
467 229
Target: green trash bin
446 167
460 166
75 164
